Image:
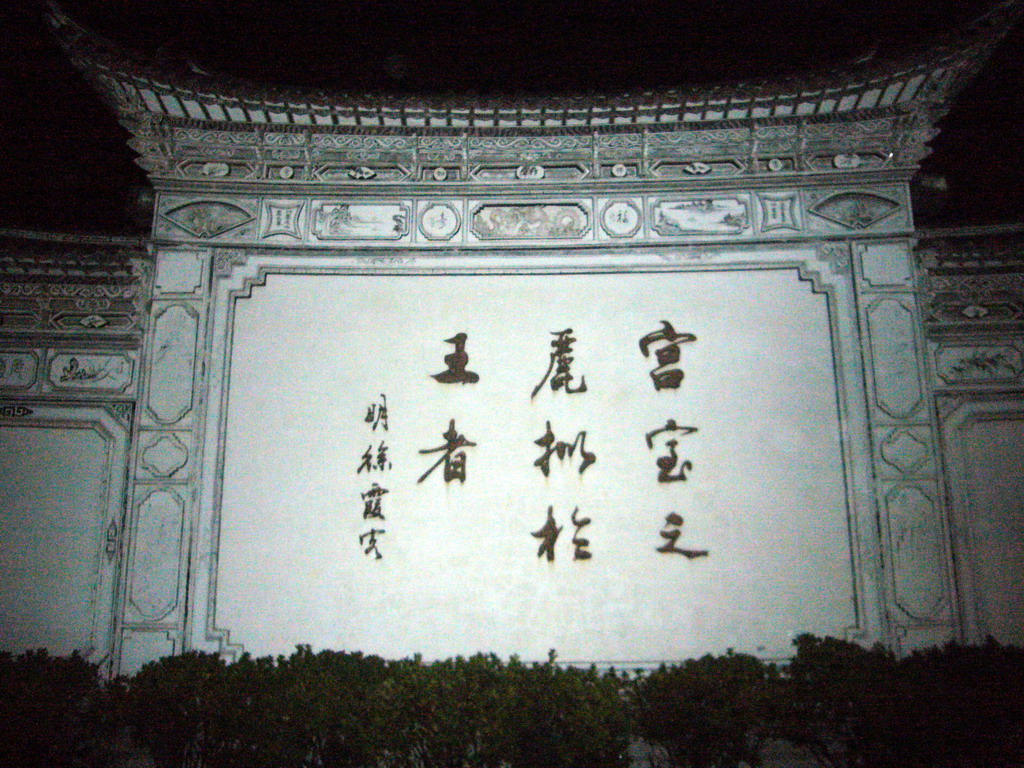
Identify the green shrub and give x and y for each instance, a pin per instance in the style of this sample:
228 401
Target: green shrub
964 707
706 712
840 702
843 705
53 712
560 717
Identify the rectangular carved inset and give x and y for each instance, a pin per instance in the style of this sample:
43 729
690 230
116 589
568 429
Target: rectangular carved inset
897 384
360 221
701 216
156 557
90 372
17 370
179 272
172 363
531 222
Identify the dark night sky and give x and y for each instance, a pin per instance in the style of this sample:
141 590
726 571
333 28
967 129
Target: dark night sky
68 167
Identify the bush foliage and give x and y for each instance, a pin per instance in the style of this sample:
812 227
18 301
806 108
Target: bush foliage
839 704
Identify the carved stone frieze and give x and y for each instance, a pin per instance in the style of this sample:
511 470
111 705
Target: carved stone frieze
973 285
65 286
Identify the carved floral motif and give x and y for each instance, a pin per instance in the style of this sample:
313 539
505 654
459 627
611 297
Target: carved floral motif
557 222
979 364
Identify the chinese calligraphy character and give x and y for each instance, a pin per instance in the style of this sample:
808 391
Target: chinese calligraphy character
673 524
666 376
371 502
668 463
561 361
454 459
581 552
377 413
561 449
456 362
548 535
369 463
16 367
372 545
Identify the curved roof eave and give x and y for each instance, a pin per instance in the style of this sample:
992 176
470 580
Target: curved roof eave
923 82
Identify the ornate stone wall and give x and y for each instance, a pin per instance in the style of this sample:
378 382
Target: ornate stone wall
72 316
973 305
135 381
116 366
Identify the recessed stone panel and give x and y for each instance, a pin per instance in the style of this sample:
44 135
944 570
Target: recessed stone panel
175 328
156 551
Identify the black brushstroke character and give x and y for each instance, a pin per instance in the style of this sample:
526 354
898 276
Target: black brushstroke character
561 449
561 362
456 362
454 459
371 502
581 552
673 524
668 463
548 535
377 413
666 376
372 546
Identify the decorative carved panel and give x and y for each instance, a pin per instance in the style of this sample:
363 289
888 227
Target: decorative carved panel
173 360
918 554
156 555
897 384
85 372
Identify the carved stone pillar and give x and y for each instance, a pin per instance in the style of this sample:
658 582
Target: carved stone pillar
912 523
165 459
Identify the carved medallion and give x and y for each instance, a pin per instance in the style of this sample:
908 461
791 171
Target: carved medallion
439 221
164 456
207 219
779 211
855 210
621 218
282 218
903 450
